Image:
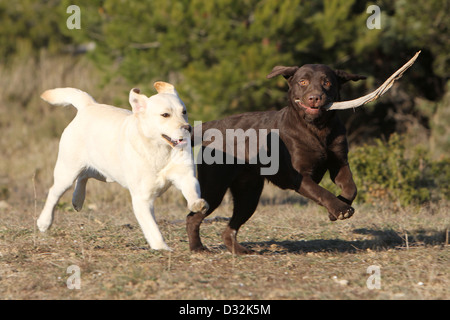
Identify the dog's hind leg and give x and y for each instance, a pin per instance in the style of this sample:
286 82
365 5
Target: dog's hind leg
80 192
246 191
64 176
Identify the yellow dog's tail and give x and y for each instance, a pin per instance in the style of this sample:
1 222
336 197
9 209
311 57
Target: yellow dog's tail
68 96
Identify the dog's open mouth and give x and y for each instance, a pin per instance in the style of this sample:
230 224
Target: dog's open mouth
174 143
310 110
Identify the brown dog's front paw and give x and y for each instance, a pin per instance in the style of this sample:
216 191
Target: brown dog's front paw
343 212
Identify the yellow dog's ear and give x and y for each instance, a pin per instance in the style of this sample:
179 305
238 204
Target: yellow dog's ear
138 101
164 87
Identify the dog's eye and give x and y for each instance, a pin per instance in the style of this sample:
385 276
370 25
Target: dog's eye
304 82
165 115
327 83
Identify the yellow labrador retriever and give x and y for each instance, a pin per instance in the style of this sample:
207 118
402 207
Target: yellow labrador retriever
145 151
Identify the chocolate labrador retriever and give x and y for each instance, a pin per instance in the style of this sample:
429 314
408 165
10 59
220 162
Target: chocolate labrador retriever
311 140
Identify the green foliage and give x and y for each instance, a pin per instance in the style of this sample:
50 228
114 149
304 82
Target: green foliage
26 26
383 171
393 172
439 120
218 53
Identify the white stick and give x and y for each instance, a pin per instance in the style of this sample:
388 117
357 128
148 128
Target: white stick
375 94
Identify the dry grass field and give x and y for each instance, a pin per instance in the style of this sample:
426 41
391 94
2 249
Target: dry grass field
299 253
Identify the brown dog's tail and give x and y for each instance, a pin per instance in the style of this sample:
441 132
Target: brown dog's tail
68 96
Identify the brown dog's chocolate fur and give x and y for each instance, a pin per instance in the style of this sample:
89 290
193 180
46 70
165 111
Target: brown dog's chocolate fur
311 141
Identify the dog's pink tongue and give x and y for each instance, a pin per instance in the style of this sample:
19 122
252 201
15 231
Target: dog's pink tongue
178 142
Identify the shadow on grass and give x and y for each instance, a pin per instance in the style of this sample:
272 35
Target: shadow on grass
381 240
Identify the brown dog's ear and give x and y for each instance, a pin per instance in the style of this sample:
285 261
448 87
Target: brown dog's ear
286 72
343 76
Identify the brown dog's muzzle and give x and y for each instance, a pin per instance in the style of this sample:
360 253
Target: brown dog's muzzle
314 101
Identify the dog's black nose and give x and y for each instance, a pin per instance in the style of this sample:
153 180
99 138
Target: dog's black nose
187 127
314 100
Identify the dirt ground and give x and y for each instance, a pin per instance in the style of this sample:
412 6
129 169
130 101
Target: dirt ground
380 253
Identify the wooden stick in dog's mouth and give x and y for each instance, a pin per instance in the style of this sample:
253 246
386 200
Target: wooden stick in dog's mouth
375 94
173 143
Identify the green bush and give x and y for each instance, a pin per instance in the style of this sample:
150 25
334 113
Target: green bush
394 172
383 170
440 171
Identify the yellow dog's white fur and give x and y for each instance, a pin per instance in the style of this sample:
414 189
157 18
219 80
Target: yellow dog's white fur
131 148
